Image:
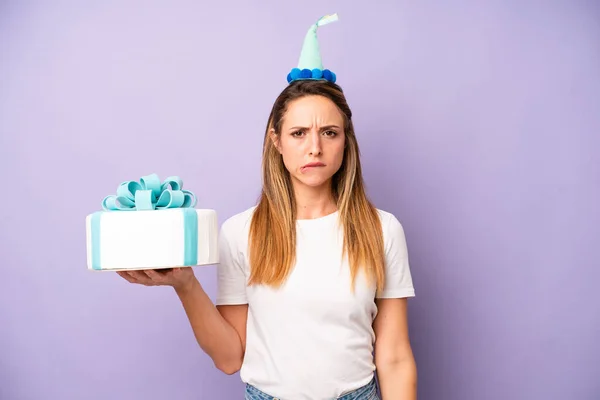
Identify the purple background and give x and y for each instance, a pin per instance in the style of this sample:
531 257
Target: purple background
479 127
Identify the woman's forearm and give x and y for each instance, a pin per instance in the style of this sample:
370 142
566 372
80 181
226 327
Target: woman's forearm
214 334
398 381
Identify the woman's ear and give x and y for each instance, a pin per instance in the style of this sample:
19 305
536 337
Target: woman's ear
275 138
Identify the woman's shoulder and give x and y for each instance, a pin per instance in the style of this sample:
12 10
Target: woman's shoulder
387 217
390 223
238 223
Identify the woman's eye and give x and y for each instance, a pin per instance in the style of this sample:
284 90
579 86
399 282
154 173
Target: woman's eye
326 133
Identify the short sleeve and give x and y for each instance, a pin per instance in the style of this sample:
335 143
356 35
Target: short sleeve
398 278
231 277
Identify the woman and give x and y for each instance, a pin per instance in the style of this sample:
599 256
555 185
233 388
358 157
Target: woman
313 280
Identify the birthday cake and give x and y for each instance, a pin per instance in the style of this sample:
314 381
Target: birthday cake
151 225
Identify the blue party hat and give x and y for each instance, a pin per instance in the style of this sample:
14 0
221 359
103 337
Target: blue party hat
310 65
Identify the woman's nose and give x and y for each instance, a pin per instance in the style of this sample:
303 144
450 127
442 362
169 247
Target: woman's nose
315 143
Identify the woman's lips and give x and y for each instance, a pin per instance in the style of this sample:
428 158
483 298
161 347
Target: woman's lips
312 165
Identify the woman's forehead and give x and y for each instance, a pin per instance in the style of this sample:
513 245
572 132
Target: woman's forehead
313 109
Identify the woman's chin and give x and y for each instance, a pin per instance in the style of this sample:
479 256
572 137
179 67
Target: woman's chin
314 181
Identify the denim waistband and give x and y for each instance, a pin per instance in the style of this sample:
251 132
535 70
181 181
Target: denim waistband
367 392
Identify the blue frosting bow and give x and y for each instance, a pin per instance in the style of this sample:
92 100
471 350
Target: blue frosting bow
150 194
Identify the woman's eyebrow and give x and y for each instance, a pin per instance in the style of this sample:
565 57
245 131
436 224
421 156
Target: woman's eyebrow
323 128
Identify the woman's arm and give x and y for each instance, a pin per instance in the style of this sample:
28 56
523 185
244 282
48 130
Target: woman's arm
394 360
221 332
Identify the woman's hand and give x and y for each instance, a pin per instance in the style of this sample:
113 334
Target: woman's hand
178 278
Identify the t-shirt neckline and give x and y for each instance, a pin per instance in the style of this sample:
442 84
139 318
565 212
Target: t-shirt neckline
326 217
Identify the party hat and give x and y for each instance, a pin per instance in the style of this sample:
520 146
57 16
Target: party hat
310 65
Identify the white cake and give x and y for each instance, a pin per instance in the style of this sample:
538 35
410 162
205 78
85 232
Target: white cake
123 237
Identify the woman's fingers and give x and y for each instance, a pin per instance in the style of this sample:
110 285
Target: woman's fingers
154 276
127 277
150 277
141 277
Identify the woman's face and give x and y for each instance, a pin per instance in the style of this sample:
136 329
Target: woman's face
312 140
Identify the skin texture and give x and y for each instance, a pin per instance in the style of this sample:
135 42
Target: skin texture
312 131
394 360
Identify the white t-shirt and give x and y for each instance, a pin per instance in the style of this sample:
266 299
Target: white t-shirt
312 338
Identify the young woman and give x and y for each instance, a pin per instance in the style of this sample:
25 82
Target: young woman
312 281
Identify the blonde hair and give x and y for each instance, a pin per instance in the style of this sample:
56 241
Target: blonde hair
272 238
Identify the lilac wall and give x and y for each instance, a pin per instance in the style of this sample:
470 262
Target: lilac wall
479 126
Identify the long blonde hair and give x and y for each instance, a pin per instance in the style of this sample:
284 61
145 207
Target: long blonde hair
272 239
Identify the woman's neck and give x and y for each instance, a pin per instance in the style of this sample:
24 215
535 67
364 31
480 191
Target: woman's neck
313 202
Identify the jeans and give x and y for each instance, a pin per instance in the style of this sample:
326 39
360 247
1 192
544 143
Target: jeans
367 392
